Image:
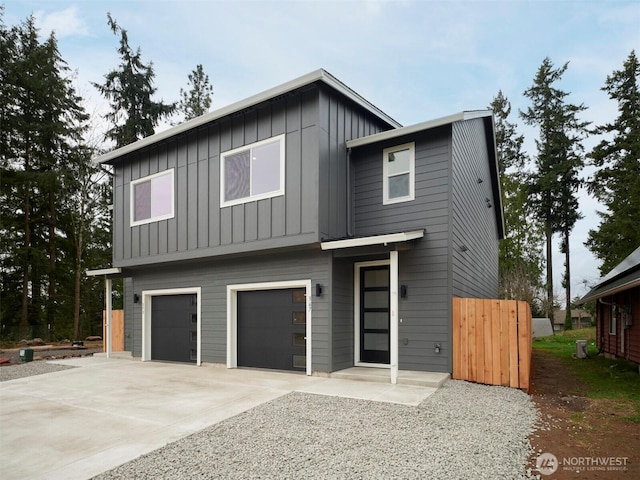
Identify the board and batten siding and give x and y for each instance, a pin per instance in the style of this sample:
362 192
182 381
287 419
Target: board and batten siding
340 121
425 313
200 228
214 276
475 242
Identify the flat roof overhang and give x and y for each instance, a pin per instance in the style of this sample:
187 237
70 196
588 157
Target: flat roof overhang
114 272
373 240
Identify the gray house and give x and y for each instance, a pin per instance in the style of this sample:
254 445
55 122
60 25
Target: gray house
304 229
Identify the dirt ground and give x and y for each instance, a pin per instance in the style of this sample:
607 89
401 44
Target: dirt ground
581 431
50 352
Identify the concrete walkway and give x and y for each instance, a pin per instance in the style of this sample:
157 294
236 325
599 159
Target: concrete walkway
77 423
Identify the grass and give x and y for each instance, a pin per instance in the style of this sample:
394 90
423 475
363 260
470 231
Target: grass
604 378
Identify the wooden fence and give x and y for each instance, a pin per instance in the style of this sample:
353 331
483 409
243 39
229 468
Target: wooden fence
492 342
117 331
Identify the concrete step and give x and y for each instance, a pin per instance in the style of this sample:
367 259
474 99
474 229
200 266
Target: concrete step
382 375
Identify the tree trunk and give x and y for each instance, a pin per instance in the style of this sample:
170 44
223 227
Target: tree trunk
51 302
76 293
567 282
549 238
24 314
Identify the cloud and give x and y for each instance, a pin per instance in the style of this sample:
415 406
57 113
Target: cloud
65 23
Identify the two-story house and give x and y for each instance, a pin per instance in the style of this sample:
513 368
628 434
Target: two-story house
304 229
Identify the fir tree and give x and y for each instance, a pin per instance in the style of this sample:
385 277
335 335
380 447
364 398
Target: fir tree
617 181
555 182
129 89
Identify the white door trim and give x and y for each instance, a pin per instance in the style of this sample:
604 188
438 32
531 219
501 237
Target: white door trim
356 311
232 315
147 296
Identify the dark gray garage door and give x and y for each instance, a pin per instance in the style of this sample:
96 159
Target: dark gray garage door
174 334
272 329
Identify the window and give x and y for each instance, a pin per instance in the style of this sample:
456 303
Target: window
613 320
152 198
253 172
399 174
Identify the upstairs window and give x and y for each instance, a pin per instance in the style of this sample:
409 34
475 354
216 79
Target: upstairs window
152 198
399 174
252 172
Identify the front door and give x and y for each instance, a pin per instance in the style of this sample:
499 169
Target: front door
174 333
374 314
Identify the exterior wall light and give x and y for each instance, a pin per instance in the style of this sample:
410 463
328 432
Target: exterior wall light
318 290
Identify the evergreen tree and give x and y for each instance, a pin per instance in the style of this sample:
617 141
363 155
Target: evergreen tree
617 181
42 126
197 100
129 90
559 160
520 251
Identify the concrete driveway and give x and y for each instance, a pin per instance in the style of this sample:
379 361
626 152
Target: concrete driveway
77 423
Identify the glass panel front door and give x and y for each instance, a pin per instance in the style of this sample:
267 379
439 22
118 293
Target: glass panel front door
374 314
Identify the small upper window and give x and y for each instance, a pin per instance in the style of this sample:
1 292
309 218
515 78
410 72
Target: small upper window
399 174
152 198
252 172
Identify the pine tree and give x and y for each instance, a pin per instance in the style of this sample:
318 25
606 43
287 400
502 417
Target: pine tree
129 90
197 100
520 251
559 161
617 181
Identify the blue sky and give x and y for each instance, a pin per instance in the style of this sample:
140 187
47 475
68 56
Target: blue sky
416 60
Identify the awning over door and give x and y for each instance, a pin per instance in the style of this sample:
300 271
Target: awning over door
373 240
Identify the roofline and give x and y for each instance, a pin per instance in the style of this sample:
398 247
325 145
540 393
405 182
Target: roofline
319 75
606 292
418 127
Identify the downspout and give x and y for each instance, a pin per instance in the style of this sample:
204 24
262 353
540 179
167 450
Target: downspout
349 198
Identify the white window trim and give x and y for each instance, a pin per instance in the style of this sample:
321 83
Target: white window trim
613 320
253 198
147 296
385 173
232 315
132 199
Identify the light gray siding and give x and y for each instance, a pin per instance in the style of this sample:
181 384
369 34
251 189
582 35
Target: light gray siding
475 242
213 278
200 227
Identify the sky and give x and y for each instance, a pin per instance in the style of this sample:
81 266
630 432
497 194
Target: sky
416 60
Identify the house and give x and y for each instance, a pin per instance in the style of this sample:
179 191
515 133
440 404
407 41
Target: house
579 319
617 297
304 229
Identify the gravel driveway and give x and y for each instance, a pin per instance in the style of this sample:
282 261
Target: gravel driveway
463 431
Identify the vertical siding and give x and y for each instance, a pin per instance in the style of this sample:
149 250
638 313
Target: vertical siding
213 278
200 227
340 121
474 225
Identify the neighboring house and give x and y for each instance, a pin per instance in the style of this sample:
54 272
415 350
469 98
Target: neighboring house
304 229
617 297
579 319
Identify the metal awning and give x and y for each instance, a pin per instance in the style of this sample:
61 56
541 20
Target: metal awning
373 240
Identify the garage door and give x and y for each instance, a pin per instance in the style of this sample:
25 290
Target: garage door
272 329
174 333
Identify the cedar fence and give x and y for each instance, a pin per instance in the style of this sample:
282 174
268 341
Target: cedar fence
117 330
492 342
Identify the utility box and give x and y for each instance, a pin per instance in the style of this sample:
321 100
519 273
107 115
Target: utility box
26 355
581 349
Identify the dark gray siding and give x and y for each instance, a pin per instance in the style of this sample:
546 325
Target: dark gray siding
213 278
474 225
424 269
340 121
200 227
342 320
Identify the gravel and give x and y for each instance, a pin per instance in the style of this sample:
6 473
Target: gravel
12 372
464 430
